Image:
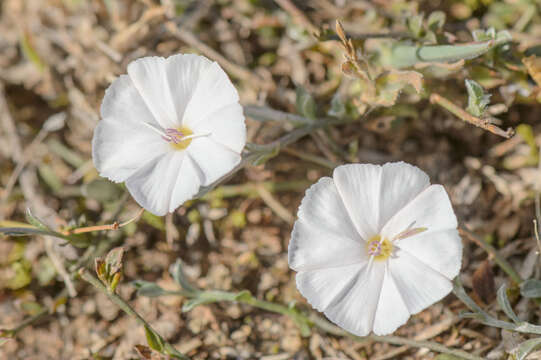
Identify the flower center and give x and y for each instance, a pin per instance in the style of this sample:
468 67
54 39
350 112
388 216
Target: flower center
379 249
178 138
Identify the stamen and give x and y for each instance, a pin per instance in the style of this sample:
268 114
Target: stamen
153 128
173 135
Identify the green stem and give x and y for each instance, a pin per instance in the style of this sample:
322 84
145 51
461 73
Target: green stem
168 348
321 323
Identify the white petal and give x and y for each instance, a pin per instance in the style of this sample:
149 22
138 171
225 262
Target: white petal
183 73
355 310
187 184
431 209
359 188
323 236
392 311
226 127
400 183
152 186
214 160
320 287
214 91
121 143
441 250
151 80
419 285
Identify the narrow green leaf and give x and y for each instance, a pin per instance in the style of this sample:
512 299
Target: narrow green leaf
16 231
305 103
406 55
436 20
35 221
178 274
531 288
503 300
154 340
148 289
243 295
527 347
190 304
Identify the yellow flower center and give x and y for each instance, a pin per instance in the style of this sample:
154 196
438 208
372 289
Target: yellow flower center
381 250
177 137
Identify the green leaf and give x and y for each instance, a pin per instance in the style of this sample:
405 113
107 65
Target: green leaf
154 340
527 347
503 300
192 303
180 277
148 289
35 221
415 25
477 98
531 288
436 20
305 103
25 231
243 295
266 156
338 108
405 55
113 261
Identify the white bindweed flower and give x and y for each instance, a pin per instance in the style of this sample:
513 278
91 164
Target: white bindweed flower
169 127
374 244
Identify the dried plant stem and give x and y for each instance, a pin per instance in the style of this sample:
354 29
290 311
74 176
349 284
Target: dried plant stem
88 277
235 70
113 226
298 15
502 263
469 118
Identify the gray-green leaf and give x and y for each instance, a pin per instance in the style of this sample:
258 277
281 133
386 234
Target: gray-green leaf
477 98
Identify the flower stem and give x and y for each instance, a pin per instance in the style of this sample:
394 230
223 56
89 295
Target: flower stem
168 349
113 226
502 263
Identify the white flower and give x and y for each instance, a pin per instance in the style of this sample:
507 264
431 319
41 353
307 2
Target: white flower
169 127
373 245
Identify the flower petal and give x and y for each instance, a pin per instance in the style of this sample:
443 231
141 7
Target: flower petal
214 160
400 183
152 186
214 91
419 285
183 73
150 77
431 209
187 184
225 126
355 310
359 188
323 236
320 287
121 143
441 250
392 312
